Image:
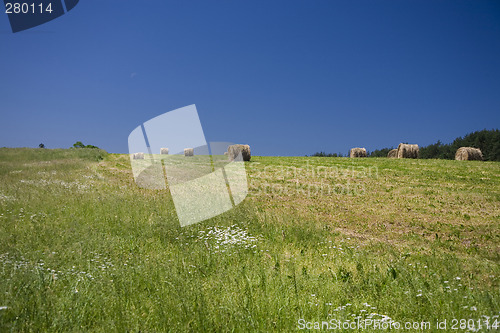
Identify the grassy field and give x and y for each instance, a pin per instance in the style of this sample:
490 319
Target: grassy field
82 248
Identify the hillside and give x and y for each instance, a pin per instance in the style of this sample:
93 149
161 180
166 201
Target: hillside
83 248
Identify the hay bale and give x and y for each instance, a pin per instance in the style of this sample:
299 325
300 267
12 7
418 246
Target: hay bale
234 150
468 154
138 156
188 151
164 151
407 151
357 152
393 153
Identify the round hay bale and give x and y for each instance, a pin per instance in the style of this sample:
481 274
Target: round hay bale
357 152
234 150
393 153
138 156
468 154
164 151
407 151
188 151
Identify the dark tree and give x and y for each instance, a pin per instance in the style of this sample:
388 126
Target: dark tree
79 144
323 154
486 140
380 152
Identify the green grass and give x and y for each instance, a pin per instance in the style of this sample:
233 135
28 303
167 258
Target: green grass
82 248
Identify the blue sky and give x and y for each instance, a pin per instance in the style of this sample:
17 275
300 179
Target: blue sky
286 77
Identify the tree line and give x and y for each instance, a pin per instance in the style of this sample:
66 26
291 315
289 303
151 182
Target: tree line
486 140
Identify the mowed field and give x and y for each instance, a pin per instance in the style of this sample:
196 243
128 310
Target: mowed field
317 239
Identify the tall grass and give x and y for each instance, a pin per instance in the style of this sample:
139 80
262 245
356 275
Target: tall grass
29 154
82 248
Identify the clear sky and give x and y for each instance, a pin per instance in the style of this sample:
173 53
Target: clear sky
287 77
